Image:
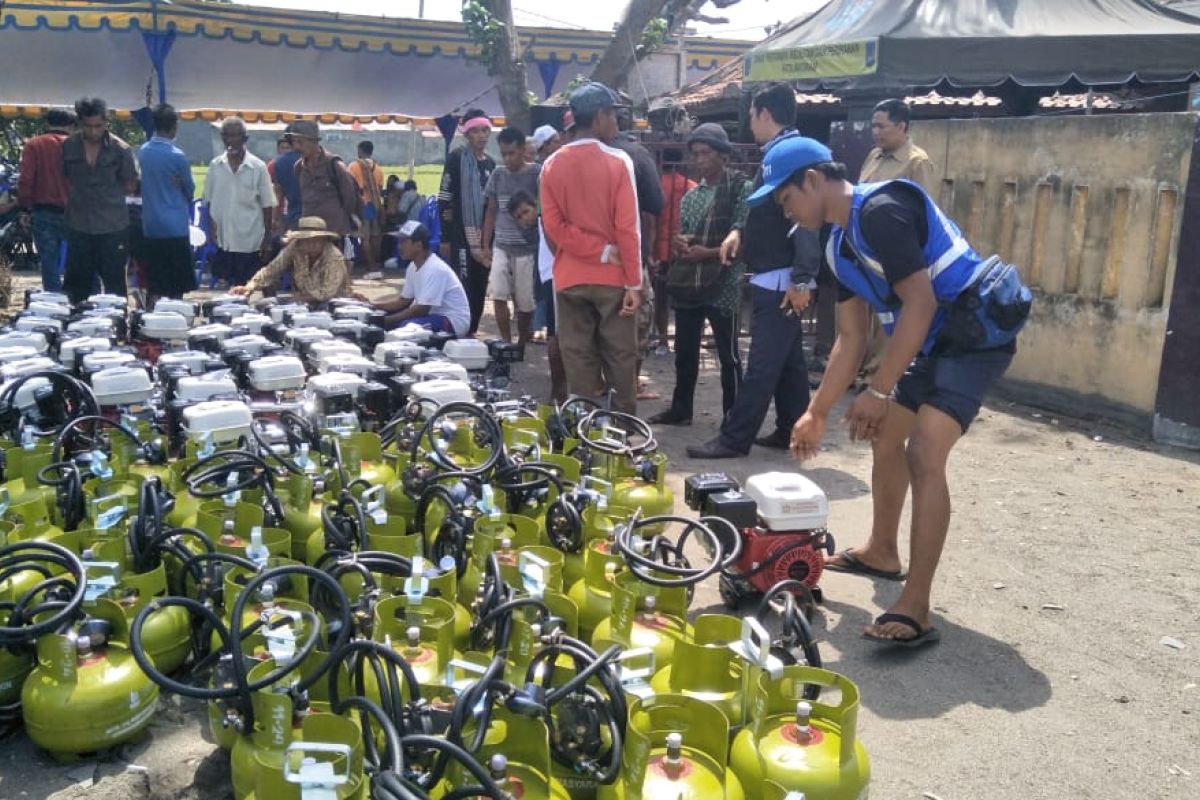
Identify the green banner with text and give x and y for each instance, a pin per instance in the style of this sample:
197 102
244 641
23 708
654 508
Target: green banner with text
839 60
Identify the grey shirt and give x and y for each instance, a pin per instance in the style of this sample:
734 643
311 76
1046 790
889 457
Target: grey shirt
96 202
501 186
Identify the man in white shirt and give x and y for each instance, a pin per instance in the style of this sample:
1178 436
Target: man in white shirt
432 295
240 199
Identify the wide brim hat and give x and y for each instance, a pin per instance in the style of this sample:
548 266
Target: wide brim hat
309 228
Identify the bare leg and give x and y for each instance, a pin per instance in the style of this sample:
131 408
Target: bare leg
524 326
503 320
934 435
889 486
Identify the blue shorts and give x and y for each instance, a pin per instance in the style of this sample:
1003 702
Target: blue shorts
953 384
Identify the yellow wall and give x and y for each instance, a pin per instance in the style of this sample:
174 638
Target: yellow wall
1090 209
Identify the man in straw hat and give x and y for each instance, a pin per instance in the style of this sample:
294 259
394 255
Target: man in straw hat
319 272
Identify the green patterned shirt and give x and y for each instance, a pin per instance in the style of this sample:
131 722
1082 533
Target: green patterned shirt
693 210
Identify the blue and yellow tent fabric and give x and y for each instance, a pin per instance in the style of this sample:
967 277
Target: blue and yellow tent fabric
219 57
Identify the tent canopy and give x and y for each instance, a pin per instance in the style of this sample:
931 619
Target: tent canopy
242 58
865 44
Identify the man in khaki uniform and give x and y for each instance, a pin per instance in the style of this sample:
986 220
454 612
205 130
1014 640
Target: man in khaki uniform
894 156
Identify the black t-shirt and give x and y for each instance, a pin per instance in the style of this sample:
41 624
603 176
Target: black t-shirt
893 222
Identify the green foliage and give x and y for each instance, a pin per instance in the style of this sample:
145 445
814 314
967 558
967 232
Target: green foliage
653 37
484 28
575 83
24 128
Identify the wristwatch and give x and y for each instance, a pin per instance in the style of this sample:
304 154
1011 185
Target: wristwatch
801 287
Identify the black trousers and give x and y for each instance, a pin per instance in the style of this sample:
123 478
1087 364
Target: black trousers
777 370
689 329
92 258
474 277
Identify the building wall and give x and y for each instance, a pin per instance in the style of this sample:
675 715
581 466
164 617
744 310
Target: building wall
1090 209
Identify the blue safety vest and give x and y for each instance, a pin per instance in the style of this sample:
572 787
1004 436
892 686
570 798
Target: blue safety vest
951 262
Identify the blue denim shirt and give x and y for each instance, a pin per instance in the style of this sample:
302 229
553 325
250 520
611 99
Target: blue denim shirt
167 189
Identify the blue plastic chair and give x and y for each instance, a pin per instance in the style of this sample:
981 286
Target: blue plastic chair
205 252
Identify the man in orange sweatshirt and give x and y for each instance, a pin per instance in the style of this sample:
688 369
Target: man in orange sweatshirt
590 214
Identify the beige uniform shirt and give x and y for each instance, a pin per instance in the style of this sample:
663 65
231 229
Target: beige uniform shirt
908 161
313 280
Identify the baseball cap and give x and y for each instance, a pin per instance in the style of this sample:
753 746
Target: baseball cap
786 158
593 97
542 135
416 231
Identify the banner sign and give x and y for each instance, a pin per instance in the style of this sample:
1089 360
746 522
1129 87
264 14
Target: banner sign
814 61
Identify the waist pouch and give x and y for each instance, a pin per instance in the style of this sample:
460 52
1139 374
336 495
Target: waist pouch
990 311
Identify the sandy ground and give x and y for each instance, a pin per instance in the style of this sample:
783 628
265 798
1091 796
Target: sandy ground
1073 552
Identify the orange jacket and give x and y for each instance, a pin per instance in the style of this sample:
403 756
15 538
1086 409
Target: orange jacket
590 210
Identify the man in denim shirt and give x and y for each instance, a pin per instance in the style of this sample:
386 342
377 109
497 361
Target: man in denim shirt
167 191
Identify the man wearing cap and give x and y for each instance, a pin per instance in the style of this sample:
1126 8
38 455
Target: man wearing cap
326 188
310 253
287 184
432 295
590 214
896 254
546 141
241 202
461 206
707 213
783 266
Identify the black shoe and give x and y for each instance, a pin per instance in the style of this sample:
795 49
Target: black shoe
713 449
779 440
669 417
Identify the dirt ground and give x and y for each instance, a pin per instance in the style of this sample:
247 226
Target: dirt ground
1069 666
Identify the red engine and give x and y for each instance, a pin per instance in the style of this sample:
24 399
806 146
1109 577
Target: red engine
769 557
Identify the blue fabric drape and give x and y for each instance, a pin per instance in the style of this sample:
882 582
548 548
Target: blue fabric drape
145 117
549 72
158 45
448 125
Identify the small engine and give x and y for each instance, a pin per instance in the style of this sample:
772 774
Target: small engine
781 517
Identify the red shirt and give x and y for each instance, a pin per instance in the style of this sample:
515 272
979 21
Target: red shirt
43 182
589 210
674 187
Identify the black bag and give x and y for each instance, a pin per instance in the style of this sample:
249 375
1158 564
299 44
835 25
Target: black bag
695 283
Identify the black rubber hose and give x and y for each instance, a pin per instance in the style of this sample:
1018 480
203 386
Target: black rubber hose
55 554
393 752
95 420
487 786
642 566
492 428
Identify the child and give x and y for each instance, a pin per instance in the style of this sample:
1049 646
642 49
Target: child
523 209
511 256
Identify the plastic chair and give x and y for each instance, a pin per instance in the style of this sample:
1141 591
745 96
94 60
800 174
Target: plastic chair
204 252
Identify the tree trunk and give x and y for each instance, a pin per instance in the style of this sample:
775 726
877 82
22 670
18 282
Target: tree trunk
508 68
614 66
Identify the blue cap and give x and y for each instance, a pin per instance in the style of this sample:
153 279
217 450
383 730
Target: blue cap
787 157
593 97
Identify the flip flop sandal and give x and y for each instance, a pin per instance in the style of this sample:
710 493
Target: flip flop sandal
924 635
852 565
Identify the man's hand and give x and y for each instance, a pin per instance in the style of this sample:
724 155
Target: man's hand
240 291
731 246
445 251
865 416
807 434
632 302
485 257
360 296
797 299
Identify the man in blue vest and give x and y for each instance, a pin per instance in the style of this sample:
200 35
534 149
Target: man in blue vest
895 254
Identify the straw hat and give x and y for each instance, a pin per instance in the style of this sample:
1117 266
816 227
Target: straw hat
309 228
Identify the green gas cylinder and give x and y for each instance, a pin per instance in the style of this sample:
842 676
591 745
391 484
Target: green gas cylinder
421 629
323 757
23 462
183 515
592 594
804 746
675 747
234 541
643 485
398 500
216 518
280 601
362 458
491 534
516 753
166 635
599 524
87 693
644 615
301 510
704 667
31 518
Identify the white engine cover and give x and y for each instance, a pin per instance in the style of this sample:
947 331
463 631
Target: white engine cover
222 332
471 353
312 319
25 339
9 355
188 310
224 420
332 384
385 352
58 298
68 347
251 322
122 386
277 312
108 301
92 326
410 333
443 391
331 350
251 343
351 311
297 335
199 388
28 323
194 360
48 309
347 362
788 501
107 359
16 369
169 325
445 370
277 373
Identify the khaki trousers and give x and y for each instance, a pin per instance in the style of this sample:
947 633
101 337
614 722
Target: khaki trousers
597 343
